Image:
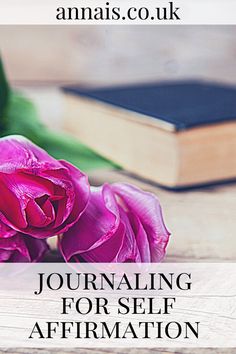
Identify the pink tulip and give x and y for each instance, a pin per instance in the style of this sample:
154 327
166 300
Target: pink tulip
120 224
40 196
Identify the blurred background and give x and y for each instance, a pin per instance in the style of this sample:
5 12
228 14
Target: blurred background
36 56
105 55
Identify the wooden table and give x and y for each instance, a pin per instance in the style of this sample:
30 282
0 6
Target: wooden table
118 351
202 223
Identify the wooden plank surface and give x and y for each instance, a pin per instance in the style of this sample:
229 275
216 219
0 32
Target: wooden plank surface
118 351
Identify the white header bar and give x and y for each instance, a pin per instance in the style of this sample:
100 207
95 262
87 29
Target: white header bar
117 12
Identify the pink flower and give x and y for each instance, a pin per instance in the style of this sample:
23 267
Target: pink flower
22 248
40 196
121 224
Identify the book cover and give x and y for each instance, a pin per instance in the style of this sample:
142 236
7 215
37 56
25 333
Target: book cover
182 104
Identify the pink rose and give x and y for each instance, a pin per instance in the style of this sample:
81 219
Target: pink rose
22 248
121 224
40 196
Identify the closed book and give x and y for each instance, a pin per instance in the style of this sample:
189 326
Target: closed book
177 134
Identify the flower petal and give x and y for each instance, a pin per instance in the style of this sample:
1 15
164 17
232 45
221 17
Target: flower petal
147 208
18 153
97 225
22 248
40 196
36 216
37 248
128 251
15 244
11 211
81 194
141 238
6 231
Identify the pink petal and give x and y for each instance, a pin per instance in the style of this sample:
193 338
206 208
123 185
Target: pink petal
19 153
81 194
99 221
97 224
37 248
147 208
36 216
11 212
5 255
64 192
22 248
120 224
103 233
128 251
14 244
40 196
6 231
141 238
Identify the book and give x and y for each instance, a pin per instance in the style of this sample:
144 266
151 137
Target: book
177 134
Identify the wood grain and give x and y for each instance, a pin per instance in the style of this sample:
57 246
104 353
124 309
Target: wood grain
118 351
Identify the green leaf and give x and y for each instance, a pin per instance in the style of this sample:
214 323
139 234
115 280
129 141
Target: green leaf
22 119
64 147
4 95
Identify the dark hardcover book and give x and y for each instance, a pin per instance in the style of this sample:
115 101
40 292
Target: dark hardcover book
175 133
